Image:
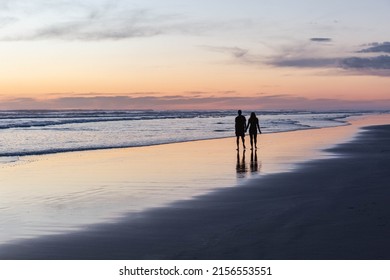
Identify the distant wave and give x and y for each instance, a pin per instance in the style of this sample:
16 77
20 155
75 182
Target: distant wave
27 119
45 123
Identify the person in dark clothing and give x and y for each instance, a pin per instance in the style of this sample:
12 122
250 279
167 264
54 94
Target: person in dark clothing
240 129
253 125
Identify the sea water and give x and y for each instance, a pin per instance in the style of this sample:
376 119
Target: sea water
42 132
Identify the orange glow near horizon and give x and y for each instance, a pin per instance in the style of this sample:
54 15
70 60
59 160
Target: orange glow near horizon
209 83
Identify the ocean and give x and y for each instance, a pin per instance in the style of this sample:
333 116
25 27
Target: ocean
25 133
44 194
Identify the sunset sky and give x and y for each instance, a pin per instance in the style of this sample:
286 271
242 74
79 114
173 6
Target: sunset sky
194 54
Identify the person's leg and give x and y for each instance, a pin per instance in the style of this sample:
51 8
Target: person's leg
255 136
238 142
243 140
251 137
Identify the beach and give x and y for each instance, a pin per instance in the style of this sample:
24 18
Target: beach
309 194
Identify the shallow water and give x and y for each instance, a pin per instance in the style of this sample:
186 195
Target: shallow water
44 132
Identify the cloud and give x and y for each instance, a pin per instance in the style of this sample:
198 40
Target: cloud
373 66
196 101
93 31
305 62
233 51
379 62
321 40
88 20
377 47
355 63
305 55
93 23
4 21
240 55
83 20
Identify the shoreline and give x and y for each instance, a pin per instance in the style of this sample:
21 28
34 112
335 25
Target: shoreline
97 149
262 218
339 122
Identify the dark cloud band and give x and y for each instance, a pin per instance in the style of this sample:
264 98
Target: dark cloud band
377 47
204 101
379 62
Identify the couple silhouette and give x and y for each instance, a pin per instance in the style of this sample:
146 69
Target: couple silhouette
241 128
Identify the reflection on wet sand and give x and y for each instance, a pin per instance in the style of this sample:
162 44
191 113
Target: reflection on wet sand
255 166
242 166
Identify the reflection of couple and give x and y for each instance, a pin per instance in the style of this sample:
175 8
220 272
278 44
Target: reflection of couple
242 127
241 166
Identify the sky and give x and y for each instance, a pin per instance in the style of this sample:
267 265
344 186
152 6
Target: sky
195 54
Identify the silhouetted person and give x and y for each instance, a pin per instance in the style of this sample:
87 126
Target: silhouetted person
253 125
240 129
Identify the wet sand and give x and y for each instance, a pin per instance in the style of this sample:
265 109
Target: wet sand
332 207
